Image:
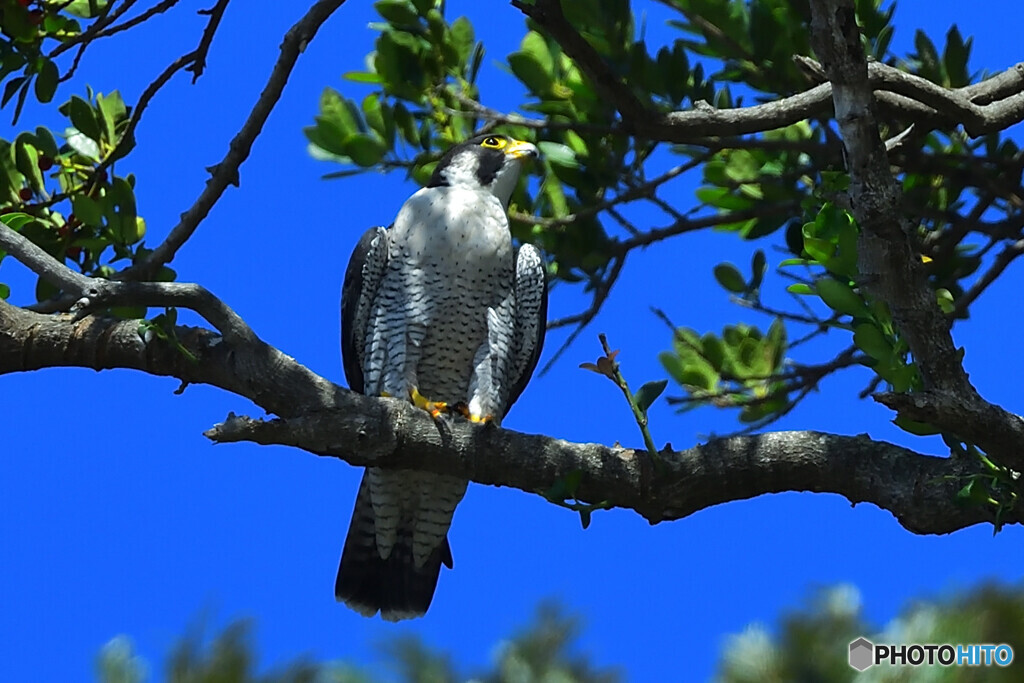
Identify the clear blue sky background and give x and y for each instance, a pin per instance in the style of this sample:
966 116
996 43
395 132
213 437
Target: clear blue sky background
118 517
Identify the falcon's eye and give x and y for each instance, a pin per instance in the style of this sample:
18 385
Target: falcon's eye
493 142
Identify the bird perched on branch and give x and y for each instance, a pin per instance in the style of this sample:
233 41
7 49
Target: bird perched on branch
442 310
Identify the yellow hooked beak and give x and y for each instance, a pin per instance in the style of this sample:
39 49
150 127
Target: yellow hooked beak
519 150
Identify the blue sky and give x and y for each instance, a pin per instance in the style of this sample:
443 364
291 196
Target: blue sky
118 517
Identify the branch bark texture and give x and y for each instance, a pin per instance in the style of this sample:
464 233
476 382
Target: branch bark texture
328 420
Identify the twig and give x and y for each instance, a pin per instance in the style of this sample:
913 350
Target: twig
215 14
226 171
106 17
135 21
642 191
93 293
581 320
638 414
682 226
1003 260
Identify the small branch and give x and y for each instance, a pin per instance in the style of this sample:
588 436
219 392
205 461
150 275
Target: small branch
93 293
548 13
581 320
642 191
156 9
1002 262
106 17
685 225
215 14
638 414
226 171
127 138
982 108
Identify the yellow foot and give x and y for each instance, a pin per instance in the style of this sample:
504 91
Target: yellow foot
435 408
462 409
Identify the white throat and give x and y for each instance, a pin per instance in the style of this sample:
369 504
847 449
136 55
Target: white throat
461 173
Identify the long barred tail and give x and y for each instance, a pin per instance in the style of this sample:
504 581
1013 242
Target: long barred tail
394 586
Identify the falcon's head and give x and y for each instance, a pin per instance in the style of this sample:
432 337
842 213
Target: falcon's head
487 162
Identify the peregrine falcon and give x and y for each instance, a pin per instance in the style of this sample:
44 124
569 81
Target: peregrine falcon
442 310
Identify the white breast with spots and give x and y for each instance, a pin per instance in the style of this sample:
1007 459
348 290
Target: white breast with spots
451 258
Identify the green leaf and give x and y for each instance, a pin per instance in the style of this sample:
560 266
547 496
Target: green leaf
927 55
531 72
869 339
373 113
841 298
729 277
120 213
916 428
83 118
5 291
534 45
362 77
759 265
955 57
11 88
559 154
974 493
339 111
86 9
325 135
46 143
364 150
945 300
16 220
26 160
46 81
397 12
648 394
82 144
463 39
406 124
113 111
87 210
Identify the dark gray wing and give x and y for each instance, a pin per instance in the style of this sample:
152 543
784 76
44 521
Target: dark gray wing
365 270
531 316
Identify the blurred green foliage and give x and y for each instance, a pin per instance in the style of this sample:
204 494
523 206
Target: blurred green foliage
543 652
812 644
806 644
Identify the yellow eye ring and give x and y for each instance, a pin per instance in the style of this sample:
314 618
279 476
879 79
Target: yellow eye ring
493 142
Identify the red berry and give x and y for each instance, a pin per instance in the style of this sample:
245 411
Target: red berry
35 17
25 194
74 252
73 220
24 3
45 163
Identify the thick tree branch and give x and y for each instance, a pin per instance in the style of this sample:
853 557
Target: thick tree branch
984 107
888 261
325 419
